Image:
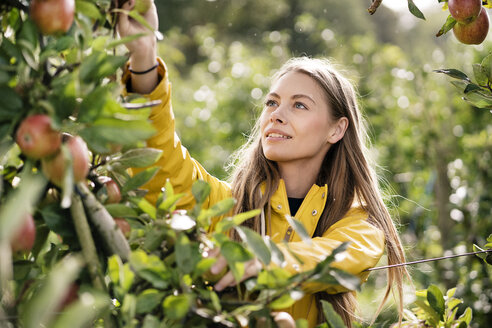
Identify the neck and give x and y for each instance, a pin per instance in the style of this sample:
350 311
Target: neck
298 179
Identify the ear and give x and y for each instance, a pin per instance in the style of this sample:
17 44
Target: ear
338 131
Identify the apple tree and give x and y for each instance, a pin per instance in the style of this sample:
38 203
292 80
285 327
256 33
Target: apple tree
79 243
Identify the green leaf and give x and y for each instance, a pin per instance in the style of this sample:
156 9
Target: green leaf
150 268
479 100
466 317
450 293
478 249
153 239
40 309
200 190
58 220
256 244
235 252
176 306
145 206
121 211
114 268
481 74
332 318
299 229
228 223
10 105
187 254
115 131
472 87
415 10
345 279
19 202
139 179
274 278
139 157
220 208
277 255
88 9
151 321
487 66
83 313
286 300
448 25
99 65
148 300
454 73
489 238
436 300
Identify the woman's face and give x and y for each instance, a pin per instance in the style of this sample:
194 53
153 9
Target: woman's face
296 125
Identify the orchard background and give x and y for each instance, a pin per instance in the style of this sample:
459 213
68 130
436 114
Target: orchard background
431 135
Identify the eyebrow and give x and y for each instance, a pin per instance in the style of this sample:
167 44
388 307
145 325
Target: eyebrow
297 96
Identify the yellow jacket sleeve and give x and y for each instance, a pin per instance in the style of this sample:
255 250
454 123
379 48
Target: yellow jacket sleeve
175 163
366 246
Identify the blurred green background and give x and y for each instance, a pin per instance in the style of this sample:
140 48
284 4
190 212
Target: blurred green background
433 149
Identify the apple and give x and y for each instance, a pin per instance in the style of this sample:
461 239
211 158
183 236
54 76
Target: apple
142 6
474 32
52 16
54 167
23 240
70 296
36 137
111 191
464 11
124 226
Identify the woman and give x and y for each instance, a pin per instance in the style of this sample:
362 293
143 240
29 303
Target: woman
306 158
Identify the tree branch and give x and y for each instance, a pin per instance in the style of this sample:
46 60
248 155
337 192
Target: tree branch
104 223
85 237
374 6
17 4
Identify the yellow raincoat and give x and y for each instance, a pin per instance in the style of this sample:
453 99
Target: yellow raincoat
366 241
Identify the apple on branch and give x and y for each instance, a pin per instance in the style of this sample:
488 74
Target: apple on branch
473 32
52 16
54 167
23 239
464 11
36 137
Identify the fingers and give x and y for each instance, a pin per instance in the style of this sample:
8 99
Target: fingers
219 265
251 269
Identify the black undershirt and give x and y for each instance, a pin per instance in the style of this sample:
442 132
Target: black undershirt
294 204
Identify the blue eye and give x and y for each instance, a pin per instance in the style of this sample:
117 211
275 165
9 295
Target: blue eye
299 105
270 103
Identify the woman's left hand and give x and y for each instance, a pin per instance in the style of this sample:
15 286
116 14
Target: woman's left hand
251 269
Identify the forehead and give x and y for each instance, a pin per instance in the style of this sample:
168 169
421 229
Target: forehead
294 82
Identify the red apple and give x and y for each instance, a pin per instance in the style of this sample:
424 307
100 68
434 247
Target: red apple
474 32
111 190
52 16
71 296
124 226
464 11
54 167
23 240
36 138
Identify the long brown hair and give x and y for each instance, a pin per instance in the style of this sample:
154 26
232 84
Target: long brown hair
346 170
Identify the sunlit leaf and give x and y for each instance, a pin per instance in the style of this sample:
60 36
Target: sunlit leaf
454 73
200 190
148 300
176 307
415 10
299 229
255 243
332 318
447 26
139 157
139 179
436 300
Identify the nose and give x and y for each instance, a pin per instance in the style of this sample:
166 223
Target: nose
277 116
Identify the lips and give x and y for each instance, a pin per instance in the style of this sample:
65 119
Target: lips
270 134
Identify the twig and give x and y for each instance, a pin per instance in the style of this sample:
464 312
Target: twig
85 237
427 260
104 223
17 4
374 6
